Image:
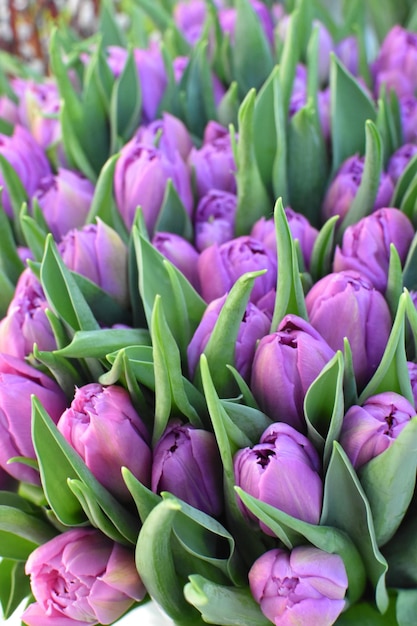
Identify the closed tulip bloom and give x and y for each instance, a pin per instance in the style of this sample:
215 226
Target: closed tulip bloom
254 325
412 372
345 185
366 245
282 470
39 107
140 178
18 382
153 79
97 252
186 462
65 199
214 221
190 18
169 134
408 116
369 429
27 158
400 159
25 322
103 426
305 586
345 304
81 577
396 63
220 266
180 252
347 50
213 164
286 362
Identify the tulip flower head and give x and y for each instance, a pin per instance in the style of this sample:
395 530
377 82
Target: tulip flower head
306 586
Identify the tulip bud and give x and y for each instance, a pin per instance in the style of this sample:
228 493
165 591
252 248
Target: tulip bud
168 134
28 160
220 266
408 116
366 245
254 325
400 159
282 470
39 106
152 77
18 382
345 185
347 50
306 586
285 364
190 18
181 254
81 577
213 164
104 428
346 304
412 372
65 199
186 463
370 429
140 178
98 253
395 65
214 221
25 322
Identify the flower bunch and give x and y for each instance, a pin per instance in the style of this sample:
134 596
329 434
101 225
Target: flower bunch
208 317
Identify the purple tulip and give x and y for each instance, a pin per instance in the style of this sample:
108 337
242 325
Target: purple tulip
408 115
187 463
181 254
366 245
97 252
104 428
140 178
18 382
254 325
400 159
227 18
346 304
396 63
81 577
190 18
300 228
347 50
412 372
27 158
9 110
169 134
65 199
370 429
220 266
213 164
282 470
306 586
286 363
38 108
25 322
214 220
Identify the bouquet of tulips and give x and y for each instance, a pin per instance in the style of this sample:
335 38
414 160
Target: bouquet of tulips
208 303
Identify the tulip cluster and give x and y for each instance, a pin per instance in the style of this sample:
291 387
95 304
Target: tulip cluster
208 317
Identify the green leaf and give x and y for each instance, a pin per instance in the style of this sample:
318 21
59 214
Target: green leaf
404 183
228 107
388 122
108 27
164 21
17 193
249 421
395 280
406 607
173 216
62 292
25 531
294 532
251 53
33 233
252 198
99 343
10 261
352 514
323 249
224 606
364 200
392 372
290 294
221 346
183 307
389 480
125 104
67 375
14 586
351 108
7 290
59 463
366 614
154 561
170 393
144 498
265 135
324 406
